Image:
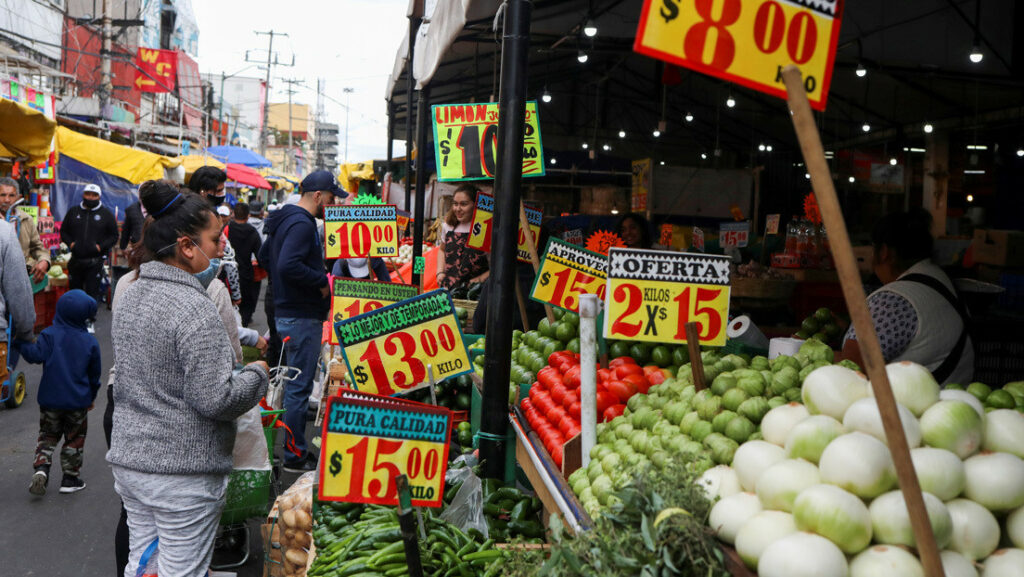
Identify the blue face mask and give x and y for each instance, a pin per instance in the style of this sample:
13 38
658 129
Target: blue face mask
207 276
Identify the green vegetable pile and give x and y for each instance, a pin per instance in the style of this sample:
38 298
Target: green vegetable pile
1011 396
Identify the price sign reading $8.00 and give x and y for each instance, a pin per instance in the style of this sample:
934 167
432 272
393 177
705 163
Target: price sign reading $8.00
567 271
354 231
387 350
653 294
369 440
352 297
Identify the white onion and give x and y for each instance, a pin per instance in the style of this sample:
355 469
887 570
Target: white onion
752 458
831 389
802 555
777 422
954 426
995 481
835 514
719 482
808 438
958 395
890 520
956 565
939 472
1004 563
975 530
1015 527
764 529
1004 431
859 463
863 416
779 485
888 561
730 514
912 385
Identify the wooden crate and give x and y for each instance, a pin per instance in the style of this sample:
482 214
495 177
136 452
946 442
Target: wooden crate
467 325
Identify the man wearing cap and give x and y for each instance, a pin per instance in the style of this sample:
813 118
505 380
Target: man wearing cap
37 258
90 231
208 182
293 256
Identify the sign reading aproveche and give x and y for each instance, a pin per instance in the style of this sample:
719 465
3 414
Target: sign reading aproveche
352 297
567 271
354 231
480 230
466 141
387 350
653 294
369 440
748 42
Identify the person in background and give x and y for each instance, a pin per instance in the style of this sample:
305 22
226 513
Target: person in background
293 256
90 231
362 268
457 263
917 313
208 182
256 217
71 378
15 294
247 243
224 215
37 258
131 230
634 230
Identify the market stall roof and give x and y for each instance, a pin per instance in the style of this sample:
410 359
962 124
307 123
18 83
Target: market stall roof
246 176
24 132
192 162
135 166
238 155
356 171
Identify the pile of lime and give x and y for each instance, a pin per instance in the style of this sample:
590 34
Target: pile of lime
822 325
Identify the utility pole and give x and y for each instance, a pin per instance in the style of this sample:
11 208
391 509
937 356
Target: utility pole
290 158
272 61
347 91
106 85
318 142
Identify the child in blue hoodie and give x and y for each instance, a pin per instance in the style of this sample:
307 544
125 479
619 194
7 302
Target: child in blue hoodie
71 378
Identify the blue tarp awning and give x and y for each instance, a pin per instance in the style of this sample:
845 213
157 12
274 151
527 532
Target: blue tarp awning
72 176
238 155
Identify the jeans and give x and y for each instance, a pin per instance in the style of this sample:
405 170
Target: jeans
303 352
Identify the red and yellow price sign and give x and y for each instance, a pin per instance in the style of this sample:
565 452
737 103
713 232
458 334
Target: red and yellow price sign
483 216
748 42
367 442
466 141
653 294
387 350
352 297
567 271
354 231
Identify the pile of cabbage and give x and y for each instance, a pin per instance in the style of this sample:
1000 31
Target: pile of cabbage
818 496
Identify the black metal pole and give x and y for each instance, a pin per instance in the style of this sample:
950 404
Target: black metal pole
414 25
507 182
407 524
422 130
391 137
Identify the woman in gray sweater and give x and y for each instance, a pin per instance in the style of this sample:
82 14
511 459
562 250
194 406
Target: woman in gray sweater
175 398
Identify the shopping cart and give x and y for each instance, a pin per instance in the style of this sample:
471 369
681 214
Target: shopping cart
12 390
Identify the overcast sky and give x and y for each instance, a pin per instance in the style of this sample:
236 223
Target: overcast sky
347 43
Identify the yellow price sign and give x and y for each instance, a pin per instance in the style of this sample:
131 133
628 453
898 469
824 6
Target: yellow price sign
652 294
466 141
483 216
748 42
355 231
353 297
368 441
387 350
567 271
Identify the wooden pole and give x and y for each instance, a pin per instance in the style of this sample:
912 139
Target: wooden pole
521 301
696 364
856 302
531 247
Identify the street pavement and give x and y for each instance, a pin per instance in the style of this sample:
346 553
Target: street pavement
62 535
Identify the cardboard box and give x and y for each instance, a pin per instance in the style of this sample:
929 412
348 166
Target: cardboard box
999 247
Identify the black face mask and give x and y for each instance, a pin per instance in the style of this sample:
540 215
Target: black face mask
90 204
215 201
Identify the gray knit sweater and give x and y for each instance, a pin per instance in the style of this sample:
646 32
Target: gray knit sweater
175 400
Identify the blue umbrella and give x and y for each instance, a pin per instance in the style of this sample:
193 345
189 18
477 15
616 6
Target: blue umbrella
238 155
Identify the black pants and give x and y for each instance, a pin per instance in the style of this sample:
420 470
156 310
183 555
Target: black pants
250 297
121 532
86 274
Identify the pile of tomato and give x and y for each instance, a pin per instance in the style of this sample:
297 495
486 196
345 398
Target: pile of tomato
553 406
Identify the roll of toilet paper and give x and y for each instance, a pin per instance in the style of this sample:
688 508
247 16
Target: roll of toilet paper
743 330
783 346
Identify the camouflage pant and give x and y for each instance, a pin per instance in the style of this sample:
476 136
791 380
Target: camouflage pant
54 424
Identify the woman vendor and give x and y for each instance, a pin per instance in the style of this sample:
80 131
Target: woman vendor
917 313
457 263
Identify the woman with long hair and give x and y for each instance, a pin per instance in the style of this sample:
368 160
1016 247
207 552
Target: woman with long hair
457 263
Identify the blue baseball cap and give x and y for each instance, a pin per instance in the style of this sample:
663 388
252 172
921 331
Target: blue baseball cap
322 180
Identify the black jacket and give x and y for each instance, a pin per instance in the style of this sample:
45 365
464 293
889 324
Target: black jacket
87 229
245 239
131 230
294 259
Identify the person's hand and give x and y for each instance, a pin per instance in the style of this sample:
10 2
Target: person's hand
262 345
261 364
72 245
39 271
236 303
440 278
98 249
325 291
91 406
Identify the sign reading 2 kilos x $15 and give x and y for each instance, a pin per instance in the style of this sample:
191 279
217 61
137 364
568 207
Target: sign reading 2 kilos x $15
354 231
466 141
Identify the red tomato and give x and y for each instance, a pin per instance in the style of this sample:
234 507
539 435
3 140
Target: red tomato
575 430
623 370
565 426
555 415
574 410
572 377
544 404
570 398
623 390
556 455
621 361
548 377
605 375
526 405
557 393
558 357
613 411
639 381
605 400
656 377
535 391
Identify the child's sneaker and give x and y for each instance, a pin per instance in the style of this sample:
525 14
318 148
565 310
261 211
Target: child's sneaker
39 480
71 484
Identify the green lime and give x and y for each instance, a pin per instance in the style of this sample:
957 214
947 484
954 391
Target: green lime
979 390
465 426
831 329
619 349
820 336
823 315
558 313
565 331
810 326
641 353
572 317
1000 399
462 401
802 334
573 346
465 438
545 328
531 338
680 356
661 356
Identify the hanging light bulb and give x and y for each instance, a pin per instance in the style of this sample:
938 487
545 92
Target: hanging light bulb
861 71
582 57
892 161
852 180
546 97
703 156
928 128
688 117
656 133
807 175
730 102
970 198
866 127
662 163
622 134
976 54
762 147
606 147
585 146
553 160
1020 152
590 28
768 148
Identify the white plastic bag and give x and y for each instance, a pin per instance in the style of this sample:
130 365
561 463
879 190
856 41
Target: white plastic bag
251 442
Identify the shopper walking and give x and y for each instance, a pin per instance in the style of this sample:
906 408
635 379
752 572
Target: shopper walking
175 398
90 231
246 240
295 258
208 182
131 230
37 258
71 361
15 294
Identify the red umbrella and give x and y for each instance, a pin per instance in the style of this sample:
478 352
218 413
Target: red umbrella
244 175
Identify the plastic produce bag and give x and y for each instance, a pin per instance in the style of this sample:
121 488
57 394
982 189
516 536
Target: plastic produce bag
295 524
466 510
251 442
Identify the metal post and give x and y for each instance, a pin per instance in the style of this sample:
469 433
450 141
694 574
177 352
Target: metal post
423 127
106 86
414 24
590 306
289 159
220 110
266 101
507 195
391 136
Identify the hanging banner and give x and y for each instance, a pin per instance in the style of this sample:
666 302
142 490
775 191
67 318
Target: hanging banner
483 215
354 231
466 141
369 440
387 350
155 70
567 271
748 42
734 234
652 294
352 297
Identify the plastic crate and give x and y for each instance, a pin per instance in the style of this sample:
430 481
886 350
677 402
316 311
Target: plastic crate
247 495
998 351
46 305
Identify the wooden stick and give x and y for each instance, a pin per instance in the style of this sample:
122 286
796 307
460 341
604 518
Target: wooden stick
531 247
522 307
397 270
856 302
696 363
